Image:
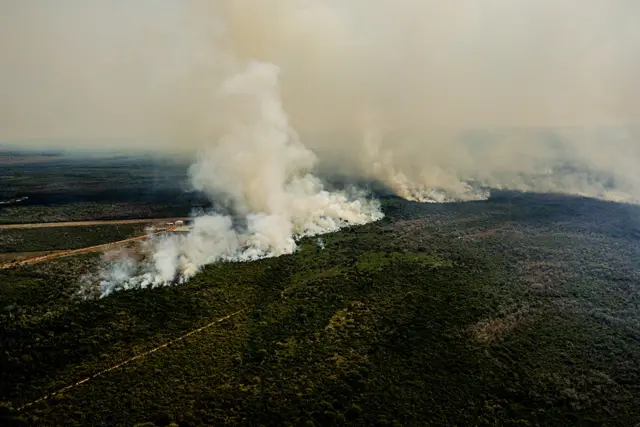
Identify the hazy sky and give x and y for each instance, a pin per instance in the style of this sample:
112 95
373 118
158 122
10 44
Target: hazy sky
80 68
149 69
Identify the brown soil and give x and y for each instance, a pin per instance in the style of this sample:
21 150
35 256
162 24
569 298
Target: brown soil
66 253
89 223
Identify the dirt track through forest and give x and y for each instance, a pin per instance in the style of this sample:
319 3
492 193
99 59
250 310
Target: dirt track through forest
71 252
131 359
88 223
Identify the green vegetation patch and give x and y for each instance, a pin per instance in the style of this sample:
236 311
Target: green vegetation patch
381 260
60 238
87 211
537 325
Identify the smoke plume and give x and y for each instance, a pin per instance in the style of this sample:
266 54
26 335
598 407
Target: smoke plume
377 89
262 172
438 100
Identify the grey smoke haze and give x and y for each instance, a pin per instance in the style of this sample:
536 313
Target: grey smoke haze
378 88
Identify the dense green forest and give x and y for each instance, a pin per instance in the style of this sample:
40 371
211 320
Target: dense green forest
522 310
58 238
76 188
87 211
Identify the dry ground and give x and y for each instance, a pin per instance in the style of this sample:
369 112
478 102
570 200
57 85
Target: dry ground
89 223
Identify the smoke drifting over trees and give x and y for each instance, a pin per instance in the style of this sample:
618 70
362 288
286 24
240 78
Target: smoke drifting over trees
261 171
378 89
436 99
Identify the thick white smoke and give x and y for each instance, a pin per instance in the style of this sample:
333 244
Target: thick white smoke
459 169
263 173
432 183
428 70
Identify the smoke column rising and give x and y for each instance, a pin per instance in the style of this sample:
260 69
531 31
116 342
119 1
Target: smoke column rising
394 87
394 82
262 171
378 89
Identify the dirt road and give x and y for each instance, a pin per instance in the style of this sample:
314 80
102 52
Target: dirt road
134 358
71 252
89 223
